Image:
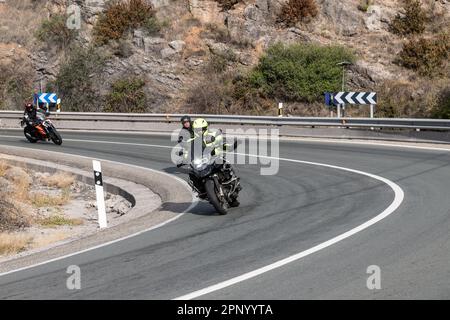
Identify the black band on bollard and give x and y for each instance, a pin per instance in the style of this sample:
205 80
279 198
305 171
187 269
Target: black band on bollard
98 178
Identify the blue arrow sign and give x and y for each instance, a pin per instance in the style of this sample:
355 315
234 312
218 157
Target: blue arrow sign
46 97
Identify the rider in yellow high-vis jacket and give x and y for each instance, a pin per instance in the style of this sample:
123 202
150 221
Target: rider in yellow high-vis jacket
202 138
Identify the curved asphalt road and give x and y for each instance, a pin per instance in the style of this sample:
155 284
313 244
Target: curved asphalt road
300 207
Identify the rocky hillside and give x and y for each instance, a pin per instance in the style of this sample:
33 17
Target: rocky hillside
202 55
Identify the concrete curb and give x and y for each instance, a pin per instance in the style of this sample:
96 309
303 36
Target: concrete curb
175 197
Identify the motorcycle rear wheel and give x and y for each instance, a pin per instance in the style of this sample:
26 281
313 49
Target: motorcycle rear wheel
29 136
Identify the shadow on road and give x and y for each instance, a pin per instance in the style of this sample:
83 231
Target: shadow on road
203 208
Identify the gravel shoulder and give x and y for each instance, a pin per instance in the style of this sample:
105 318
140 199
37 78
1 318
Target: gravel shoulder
41 210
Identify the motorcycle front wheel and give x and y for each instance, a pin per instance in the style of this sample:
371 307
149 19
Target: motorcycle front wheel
212 197
55 137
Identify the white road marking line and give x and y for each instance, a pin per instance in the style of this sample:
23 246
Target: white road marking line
398 199
193 204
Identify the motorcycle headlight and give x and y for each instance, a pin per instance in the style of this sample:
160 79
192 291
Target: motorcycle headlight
200 163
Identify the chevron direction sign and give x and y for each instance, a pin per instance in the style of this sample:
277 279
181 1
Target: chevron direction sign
355 98
46 97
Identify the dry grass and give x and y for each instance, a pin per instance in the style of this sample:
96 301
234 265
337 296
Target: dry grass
20 19
3 167
56 221
12 216
60 180
45 240
295 11
21 191
11 243
40 200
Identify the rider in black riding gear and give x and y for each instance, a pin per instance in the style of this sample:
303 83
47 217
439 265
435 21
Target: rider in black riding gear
184 138
30 117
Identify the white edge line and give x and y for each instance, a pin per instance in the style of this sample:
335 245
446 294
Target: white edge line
398 199
397 190
193 204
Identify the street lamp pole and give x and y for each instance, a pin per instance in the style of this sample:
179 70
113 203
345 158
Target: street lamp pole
343 64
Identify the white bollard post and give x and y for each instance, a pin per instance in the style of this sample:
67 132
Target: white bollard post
339 110
100 194
280 109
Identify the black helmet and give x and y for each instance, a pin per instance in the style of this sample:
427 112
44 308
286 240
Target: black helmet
185 119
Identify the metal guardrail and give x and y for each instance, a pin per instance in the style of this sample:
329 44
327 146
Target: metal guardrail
400 123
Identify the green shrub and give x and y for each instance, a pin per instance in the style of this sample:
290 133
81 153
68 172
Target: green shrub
54 32
127 95
222 34
425 56
364 5
217 32
395 99
228 4
442 109
121 17
299 72
76 78
411 99
412 21
153 26
217 64
121 48
297 10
